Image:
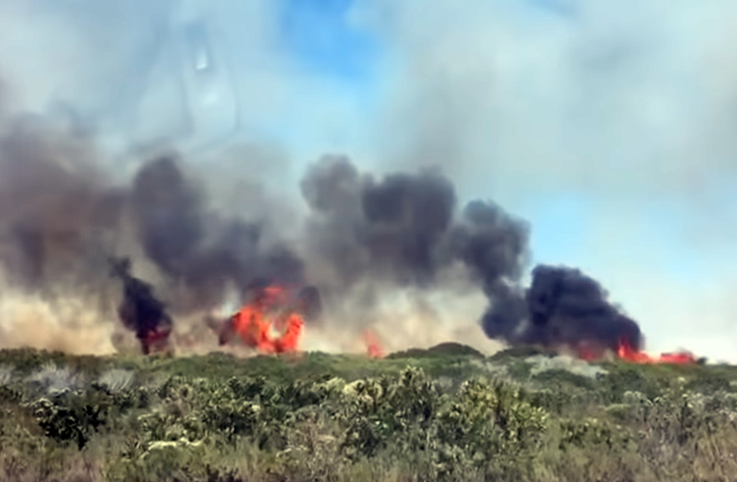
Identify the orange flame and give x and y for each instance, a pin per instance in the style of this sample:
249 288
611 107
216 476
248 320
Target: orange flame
589 352
627 353
624 351
157 341
373 347
253 324
289 341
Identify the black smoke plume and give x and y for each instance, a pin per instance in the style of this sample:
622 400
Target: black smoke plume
562 307
140 311
402 228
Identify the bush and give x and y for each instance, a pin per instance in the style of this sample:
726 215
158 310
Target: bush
630 423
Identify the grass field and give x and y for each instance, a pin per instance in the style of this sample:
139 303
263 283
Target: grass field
447 413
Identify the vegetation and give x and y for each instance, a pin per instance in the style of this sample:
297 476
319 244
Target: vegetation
436 415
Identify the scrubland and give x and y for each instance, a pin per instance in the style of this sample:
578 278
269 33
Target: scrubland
444 414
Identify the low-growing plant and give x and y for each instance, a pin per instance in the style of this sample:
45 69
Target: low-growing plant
423 421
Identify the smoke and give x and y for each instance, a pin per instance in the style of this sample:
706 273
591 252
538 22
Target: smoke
198 246
375 234
61 217
404 227
391 229
623 109
54 202
65 320
57 198
405 230
66 324
68 38
517 101
562 307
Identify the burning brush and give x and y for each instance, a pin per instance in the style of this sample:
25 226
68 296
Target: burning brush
627 353
566 310
271 323
373 346
141 311
624 351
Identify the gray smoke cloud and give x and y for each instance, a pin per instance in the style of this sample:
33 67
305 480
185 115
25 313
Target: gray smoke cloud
55 202
406 229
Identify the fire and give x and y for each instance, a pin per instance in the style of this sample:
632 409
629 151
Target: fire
624 351
156 341
373 347
627 353
289 340
255 323
589 352
141 311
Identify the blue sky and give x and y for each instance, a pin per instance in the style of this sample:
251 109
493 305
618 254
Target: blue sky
319 36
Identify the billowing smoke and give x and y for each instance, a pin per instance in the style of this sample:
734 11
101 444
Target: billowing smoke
566 306
563 307
200 248
61 216
395 230
140 310
54 203
405 229
400 231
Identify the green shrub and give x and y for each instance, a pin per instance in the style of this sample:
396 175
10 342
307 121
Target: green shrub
433 419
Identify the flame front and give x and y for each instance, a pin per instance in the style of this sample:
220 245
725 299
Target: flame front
255 324
627 353
373 347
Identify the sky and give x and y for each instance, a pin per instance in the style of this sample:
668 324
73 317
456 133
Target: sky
608 125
